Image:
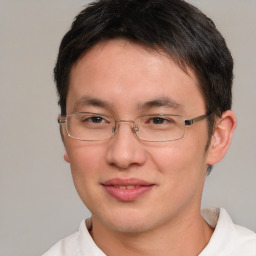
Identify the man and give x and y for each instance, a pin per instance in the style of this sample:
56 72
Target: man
145 95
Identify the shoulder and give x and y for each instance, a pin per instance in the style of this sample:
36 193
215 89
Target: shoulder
228 238
78 244
65 247
245 240
241 235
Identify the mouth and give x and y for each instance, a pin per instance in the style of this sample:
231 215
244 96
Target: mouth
127 190
125 187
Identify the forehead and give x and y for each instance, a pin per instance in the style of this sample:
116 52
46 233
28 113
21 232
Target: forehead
118 71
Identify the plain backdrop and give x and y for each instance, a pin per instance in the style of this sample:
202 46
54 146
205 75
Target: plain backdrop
38 202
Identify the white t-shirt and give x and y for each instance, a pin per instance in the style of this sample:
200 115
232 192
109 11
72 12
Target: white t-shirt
228 239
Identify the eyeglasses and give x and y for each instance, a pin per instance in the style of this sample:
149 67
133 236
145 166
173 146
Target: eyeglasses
87 126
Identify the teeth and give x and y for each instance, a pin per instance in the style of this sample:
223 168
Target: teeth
130 187
126 187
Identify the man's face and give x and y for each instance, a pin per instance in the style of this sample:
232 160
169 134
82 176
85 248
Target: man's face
165 179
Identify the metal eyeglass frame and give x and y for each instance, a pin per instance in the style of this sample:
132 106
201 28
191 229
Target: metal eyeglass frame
187 122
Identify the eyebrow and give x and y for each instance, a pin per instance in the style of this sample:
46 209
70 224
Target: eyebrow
96 102
160 102
92 101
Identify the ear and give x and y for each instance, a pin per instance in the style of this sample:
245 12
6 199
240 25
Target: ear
221 137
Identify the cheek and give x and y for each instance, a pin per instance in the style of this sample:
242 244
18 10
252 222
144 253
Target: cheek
86 162
85 159
182 175
181 163
172 158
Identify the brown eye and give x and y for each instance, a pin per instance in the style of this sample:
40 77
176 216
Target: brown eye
95 119
158 120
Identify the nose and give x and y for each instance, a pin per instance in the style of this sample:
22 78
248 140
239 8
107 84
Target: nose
124 148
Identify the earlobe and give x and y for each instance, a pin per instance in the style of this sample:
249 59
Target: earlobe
221 137
66 158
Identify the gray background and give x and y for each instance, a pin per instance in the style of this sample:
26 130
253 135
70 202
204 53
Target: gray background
38 202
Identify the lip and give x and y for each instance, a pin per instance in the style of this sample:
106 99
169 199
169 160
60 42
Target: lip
127 190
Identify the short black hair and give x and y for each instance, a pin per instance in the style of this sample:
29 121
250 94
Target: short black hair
179 29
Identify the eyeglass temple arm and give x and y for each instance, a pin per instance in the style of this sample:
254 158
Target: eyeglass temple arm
61 119
194 120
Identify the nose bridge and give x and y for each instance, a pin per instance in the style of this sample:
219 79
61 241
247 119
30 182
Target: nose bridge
123 121
125 150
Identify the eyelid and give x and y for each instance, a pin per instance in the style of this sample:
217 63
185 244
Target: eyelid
157 117
91 114
94 115
160 115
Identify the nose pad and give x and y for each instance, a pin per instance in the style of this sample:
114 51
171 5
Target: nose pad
135 128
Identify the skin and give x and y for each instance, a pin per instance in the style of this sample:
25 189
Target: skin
124 76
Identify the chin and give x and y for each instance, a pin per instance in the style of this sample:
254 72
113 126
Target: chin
128 221
130 227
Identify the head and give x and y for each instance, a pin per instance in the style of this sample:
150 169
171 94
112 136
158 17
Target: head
174 27
118 56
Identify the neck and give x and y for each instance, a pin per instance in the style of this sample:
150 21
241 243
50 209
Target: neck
193 232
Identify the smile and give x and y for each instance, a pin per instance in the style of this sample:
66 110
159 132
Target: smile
127 190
